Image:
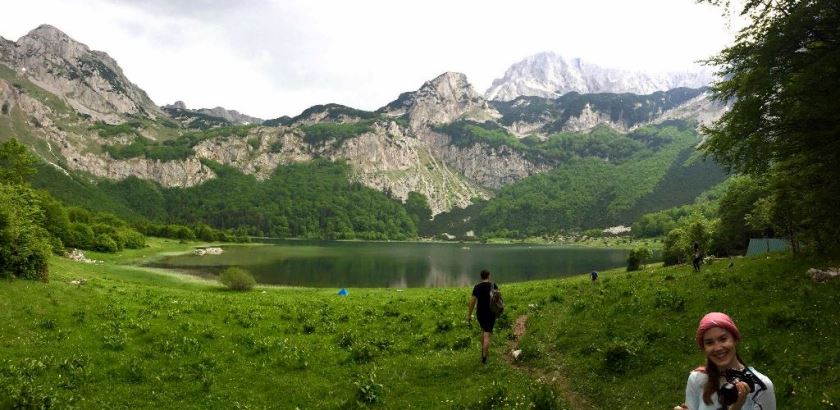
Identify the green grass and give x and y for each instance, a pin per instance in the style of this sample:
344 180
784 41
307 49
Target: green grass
135 337
628 342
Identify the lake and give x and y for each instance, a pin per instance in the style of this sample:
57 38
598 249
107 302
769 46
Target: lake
396 264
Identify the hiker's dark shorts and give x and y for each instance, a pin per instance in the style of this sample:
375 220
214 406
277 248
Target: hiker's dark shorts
486 322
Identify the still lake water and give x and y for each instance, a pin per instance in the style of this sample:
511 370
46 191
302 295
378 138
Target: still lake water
396 264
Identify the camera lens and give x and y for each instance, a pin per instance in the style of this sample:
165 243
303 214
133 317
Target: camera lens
728 394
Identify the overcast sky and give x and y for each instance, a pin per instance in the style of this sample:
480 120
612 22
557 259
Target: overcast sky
268 58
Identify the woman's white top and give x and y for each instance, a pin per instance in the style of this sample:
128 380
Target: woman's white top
764 400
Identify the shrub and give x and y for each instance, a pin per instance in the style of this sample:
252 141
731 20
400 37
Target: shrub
132 239
237 279
368 391
618 357
633 261
104 243
637 257
669 300
543 397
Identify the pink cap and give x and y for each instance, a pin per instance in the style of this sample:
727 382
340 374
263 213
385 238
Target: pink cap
716 319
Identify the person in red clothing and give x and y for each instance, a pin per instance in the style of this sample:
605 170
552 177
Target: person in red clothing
480 301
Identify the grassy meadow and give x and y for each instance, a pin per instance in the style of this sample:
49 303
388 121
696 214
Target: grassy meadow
140 338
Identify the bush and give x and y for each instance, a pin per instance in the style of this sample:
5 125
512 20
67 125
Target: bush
237 279
637 257
131 239
618 357
105 243
368 391
633 262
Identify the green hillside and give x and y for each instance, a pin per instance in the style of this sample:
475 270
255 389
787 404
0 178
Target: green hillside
74 190
588 191
314 200
132 336
627 109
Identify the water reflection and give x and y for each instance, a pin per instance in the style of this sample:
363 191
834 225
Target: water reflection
399 265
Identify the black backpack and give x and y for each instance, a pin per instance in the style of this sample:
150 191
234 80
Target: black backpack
497 305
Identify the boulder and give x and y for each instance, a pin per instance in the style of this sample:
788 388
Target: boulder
822 276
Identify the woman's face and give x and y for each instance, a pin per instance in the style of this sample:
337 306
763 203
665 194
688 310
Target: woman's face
719 346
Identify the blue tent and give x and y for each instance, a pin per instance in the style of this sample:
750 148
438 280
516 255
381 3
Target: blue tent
343 292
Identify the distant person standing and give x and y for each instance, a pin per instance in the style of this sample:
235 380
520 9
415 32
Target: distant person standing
480 301
696 261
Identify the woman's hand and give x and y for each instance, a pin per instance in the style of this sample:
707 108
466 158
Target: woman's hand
743 390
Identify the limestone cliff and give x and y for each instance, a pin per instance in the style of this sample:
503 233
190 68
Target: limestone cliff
89 81
441 100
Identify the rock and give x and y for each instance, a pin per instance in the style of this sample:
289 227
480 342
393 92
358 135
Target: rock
822 276
208 251
617 230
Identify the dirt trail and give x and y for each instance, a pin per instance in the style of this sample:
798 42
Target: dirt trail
553 377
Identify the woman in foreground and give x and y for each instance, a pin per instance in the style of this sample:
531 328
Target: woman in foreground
725 382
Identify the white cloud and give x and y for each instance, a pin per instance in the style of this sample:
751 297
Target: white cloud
270 58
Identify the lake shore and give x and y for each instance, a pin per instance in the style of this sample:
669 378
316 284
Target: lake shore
357 264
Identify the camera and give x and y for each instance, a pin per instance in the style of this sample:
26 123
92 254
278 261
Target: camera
728 393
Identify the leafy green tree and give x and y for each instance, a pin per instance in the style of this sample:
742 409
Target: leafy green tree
418 209
24 244
698 230
782 75
55 220
16 163
739 201
672 247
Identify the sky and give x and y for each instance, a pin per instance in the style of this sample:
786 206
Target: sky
268 58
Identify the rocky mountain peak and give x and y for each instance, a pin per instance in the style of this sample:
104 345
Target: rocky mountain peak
47 39
179 105
178 108
90 81
443 99
450 85
550 75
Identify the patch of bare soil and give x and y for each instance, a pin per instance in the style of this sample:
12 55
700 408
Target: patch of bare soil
555 378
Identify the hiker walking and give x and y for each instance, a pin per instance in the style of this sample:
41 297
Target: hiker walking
696 261
480 301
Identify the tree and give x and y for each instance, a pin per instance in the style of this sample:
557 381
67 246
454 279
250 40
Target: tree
16 163
417 207
782 75
740 200
24 245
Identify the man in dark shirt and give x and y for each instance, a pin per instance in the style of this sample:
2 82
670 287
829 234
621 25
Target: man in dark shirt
481 301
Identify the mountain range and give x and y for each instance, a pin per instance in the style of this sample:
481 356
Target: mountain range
78 111
550 75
